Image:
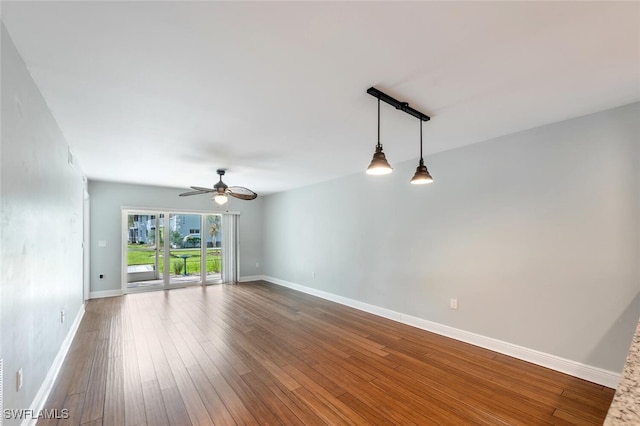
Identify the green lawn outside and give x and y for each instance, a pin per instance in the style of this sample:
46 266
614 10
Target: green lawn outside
140 255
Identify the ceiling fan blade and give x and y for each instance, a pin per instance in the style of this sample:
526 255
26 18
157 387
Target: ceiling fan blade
203 190
185 194
241 192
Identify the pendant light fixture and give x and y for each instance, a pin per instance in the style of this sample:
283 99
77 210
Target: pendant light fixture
379 164
422 175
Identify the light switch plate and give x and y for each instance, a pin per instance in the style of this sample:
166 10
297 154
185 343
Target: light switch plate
19 380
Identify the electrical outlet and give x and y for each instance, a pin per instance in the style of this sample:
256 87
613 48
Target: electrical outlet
19 380
453 303
313 274
63 314
257 264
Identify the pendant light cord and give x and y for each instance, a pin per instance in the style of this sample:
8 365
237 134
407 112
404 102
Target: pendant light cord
379 145
421 160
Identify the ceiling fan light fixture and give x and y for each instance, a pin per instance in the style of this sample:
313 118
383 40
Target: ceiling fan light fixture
222 191
220 199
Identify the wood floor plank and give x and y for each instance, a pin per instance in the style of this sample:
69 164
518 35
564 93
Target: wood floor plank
175 408
73 404
154 408
97 422
575 418
160 365
451 405
140 329
114 393
328 399
588 400
195 408
133 399
212 402
273 404
63 387
238 410
250 397
297 407
179 344
256 353
480 395
303 365
344 333
318 407
372 415
96 386
83 362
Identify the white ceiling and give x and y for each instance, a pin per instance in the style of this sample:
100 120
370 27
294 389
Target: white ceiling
164 93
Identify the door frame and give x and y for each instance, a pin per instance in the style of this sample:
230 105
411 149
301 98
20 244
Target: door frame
86 244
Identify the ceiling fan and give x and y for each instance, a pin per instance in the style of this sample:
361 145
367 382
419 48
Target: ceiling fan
222 190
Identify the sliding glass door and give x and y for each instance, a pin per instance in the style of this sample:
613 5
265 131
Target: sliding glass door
185 249
144 259
171 249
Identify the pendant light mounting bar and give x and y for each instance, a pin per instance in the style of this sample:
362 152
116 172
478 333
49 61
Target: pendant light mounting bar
402 106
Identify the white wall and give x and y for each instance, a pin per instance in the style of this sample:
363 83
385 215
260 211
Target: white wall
535 234
41 233
107 198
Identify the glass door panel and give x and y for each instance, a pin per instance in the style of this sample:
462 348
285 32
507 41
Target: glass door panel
144 267
160 246
213 258
185 246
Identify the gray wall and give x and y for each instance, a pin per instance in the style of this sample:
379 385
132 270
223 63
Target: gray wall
107 198
536 234
41 233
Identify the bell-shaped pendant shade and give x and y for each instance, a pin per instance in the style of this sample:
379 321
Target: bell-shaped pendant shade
422 175
379 164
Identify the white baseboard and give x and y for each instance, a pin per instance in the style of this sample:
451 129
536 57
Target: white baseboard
105 293
251 278
43 393
573 368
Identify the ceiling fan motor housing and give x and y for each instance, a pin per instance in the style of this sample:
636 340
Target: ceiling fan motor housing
220 187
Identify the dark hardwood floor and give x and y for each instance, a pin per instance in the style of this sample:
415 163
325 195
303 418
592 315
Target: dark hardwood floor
256 353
